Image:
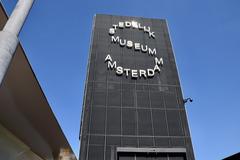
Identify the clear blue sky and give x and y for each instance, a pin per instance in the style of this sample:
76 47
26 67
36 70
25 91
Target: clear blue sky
206 39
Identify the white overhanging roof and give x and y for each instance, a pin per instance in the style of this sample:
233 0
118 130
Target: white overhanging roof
24 109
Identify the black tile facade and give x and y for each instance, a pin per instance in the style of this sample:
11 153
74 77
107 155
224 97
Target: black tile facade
121 111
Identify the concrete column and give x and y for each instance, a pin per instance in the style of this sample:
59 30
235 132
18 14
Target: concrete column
9 34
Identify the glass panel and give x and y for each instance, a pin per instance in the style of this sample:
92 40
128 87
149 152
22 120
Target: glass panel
110 153
170 100
100 85
128 98
113 140
99 140
85 125
159 123
127 86
98 120
185 122
95 152
144 122
114 86
99 98
156 99
114 98
161 142
145 141
129 121
177 142
129 141
174 123
100 73
143 100
113 121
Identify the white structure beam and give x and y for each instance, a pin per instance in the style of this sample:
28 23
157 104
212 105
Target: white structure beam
9 34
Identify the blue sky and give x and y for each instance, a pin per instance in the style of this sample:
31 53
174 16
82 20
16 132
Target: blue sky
205 35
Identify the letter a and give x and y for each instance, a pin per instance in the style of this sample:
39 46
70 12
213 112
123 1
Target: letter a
108 58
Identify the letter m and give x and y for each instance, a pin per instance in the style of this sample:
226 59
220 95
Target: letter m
159 61
112 65
115 39
152 52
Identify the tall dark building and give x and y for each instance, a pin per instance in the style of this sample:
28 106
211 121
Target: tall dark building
133 105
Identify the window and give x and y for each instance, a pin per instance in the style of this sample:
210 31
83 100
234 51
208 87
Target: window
151 156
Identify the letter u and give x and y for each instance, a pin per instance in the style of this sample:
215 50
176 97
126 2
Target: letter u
144 50
122 42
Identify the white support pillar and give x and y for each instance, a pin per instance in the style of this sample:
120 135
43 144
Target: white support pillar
9 34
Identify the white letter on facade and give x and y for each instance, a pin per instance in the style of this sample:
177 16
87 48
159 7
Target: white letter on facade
140 27
156 68
137 46
115 26
111 31
151 34
108 58
144 50
121 25
115 39
119 71
127 24
134 73
112 65
129 44
159 62
142 73
134 24
152 52
122 42
147 29
150 72
127 71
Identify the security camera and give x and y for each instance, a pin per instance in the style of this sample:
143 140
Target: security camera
187 99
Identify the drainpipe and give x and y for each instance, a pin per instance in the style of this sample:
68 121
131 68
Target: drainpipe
9 34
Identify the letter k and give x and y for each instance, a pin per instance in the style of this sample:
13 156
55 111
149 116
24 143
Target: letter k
151 34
